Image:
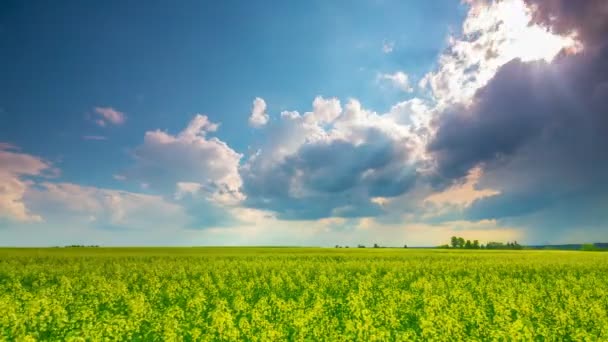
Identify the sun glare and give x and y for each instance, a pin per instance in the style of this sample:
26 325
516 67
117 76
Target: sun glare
527 41
493 34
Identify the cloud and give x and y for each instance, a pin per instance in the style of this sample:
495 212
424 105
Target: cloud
109 115
587 18
330 162
262 228
258 116
462 194
538 130
509 144
26 201
164 160
493 33
399 80
69 203
388 46
16 168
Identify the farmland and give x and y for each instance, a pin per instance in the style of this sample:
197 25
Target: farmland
301 294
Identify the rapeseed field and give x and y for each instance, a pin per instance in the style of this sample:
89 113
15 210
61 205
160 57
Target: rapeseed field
301 294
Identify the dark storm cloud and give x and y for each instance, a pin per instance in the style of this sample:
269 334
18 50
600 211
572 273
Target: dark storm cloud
540 130
334 178
589 18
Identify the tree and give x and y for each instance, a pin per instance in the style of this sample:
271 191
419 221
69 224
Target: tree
454 242
404 246
475 244
460 242
376 245
468 245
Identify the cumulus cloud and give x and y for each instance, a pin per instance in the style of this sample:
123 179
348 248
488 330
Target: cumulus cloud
109 115
538 129
191 156
399 80
258 116
493 33
14 173
331 162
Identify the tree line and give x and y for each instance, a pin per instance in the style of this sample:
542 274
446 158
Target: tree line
461 243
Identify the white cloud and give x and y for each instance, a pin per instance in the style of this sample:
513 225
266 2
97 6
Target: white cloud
164 160
494 33
15 168
109 115
388 46
399 80
102 208
331 160
258 116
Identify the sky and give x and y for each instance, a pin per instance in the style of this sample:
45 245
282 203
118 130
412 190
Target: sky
309 123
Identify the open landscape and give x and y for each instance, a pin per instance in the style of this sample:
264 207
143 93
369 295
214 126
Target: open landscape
302 294
317 170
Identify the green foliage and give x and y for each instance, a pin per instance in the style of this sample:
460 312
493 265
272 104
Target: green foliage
458 242
500 245
591 247
302 294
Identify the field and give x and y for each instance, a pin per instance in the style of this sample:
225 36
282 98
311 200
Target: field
273 294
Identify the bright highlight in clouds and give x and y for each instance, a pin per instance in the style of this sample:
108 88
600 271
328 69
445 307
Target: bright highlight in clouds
494 33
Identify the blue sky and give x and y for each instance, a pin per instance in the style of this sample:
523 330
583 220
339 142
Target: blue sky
115 113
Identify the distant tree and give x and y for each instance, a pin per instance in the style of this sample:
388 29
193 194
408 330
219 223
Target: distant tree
495 245
404 246
454 242
360 246
376 245
444 246
468 245
475 244
337 246
460 242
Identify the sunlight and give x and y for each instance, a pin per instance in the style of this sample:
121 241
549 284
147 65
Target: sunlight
493 34
530 42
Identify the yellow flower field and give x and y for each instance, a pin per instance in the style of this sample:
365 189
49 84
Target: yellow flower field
301 294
